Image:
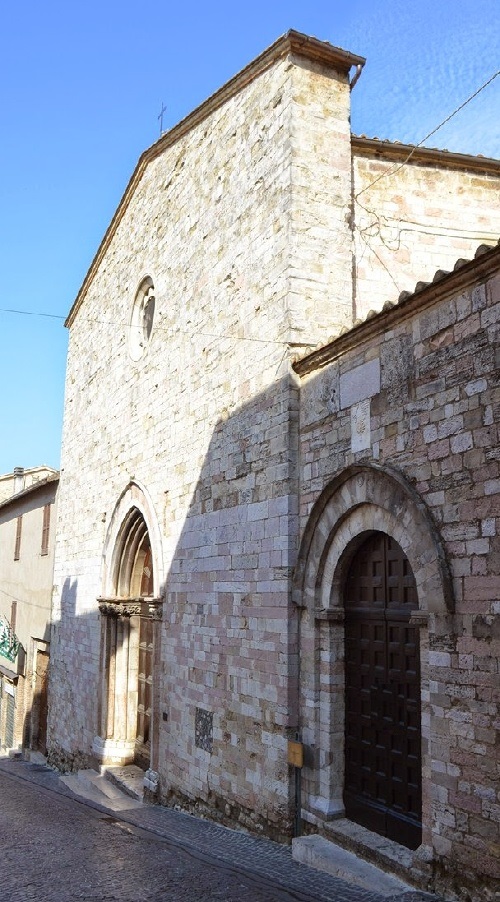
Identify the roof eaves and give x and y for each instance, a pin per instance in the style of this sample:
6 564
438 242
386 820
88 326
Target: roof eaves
30 490
464 271
413 153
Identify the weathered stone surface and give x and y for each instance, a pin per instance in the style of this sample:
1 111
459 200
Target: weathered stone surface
233 248
460 491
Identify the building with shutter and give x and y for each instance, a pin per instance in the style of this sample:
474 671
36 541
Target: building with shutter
278 505
27 540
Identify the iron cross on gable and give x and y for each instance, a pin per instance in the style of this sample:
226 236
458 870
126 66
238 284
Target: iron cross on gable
160 117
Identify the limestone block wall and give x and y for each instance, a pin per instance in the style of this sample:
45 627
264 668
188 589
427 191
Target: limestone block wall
413 218
415 394
319 231
205 422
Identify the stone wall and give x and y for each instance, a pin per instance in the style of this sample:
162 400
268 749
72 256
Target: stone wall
416 212
202 421
412 398
239 223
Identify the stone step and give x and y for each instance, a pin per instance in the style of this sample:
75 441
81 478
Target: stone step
95 787
324 855
384 853
129 778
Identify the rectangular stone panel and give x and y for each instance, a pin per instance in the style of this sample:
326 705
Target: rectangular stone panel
360 383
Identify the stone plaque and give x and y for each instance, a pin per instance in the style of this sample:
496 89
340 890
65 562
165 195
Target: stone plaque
360 426
360 383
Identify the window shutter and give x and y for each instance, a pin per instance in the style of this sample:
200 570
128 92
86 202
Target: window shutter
17 546
45 529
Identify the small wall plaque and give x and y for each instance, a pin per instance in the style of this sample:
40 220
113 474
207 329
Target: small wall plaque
360 426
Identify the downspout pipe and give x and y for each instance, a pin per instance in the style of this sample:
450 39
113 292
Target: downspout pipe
359 69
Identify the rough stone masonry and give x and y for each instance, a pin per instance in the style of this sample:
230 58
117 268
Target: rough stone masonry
185 491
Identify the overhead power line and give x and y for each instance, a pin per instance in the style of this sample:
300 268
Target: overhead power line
399 166
200 332
31 313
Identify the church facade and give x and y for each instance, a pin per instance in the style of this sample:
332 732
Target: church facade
240 538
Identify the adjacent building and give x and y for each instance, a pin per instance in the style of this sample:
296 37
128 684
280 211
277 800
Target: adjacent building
398 576
27 539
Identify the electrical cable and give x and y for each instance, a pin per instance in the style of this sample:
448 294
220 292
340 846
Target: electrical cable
399 166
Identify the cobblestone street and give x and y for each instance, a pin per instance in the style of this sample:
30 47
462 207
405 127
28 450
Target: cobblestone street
57 848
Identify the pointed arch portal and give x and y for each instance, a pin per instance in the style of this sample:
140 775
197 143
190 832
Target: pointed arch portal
129 615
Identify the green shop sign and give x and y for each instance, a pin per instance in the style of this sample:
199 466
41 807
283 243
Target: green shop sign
9 643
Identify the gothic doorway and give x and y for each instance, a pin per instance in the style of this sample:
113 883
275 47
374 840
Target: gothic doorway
382 789
129 626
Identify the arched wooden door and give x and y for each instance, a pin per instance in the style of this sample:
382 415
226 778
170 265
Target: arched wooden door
382 691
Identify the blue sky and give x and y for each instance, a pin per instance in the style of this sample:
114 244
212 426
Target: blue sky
81 86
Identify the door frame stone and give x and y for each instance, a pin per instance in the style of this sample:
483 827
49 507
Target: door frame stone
120 617
361 500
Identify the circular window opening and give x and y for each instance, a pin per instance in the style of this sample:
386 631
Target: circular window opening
143 313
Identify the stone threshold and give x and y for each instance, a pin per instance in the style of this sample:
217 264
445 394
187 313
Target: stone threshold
323 855
413 867
129 778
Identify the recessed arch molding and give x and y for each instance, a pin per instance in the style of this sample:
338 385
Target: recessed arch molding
360 500
133 501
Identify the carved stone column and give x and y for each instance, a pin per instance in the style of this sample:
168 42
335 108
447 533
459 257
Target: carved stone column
117 714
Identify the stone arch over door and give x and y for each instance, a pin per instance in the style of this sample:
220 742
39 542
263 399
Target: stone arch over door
360 502
131 609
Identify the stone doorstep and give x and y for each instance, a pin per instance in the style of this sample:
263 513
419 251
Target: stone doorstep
128 778
8 752
110 785
318 852
96 787
412 867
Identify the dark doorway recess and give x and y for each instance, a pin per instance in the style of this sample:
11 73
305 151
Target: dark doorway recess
383 790
145 670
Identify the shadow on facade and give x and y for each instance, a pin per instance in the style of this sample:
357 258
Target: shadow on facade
227 697
215 665
65 673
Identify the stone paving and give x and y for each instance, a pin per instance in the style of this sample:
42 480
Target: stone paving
58 848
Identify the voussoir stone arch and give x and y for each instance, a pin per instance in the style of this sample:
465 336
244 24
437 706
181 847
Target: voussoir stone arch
361 500
133 498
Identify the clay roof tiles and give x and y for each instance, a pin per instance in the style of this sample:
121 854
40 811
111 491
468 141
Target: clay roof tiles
319 355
